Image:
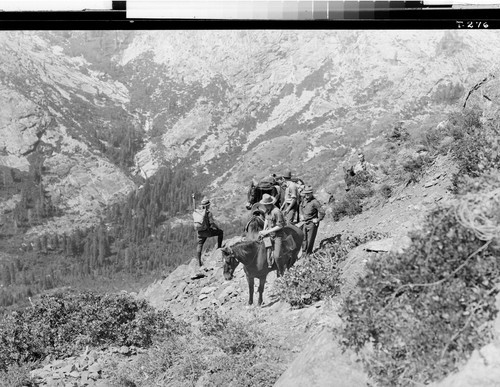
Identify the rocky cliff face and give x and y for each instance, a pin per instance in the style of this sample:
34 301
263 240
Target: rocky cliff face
246 103
45 97
234 104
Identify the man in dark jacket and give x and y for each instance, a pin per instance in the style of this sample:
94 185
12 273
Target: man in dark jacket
311 213
211 230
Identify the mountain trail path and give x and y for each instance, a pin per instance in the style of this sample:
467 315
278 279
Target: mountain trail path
303 340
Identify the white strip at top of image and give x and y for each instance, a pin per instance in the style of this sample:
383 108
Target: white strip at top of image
464 3
55 5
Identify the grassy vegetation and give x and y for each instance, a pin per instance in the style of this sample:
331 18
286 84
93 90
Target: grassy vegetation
215 351
220 352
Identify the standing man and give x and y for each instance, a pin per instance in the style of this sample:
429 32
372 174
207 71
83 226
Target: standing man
361 164
291 202
208 229
311 212
273 225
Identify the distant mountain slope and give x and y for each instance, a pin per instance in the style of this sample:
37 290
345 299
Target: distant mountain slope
235 100
234 104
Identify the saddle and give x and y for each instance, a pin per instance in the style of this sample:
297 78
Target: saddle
287 245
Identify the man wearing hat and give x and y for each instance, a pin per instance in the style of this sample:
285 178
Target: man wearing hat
290 204
311 212
273 225
211 229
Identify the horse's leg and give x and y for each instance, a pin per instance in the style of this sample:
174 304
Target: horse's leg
292 260
251 285
280 266
262 282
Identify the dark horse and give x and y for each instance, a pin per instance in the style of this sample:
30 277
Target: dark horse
252 254
256 221
256 191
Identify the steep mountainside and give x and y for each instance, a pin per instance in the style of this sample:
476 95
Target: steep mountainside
87 115
235 104
241 104
53 106
116 129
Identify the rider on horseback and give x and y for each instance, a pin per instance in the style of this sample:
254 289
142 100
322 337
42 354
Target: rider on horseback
273 225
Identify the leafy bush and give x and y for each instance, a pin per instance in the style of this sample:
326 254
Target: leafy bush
225 352
416 315
309 282
318 277
475 148
352 202
348 205
233 337
414 167
16 376
61 324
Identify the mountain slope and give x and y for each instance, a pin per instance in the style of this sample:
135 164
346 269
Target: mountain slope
234 104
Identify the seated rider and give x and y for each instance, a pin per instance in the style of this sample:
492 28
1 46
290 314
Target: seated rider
273 225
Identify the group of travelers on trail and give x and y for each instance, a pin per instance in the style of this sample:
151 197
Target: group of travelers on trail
276 232
298 207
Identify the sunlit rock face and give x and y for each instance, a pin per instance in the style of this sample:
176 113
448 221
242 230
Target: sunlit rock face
232 100
45 96
235 105
22 123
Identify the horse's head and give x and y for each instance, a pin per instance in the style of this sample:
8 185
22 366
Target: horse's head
251 195
230 263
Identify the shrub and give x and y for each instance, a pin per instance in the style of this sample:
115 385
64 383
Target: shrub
225 352
414 167
16 376
475 148
425 310
232 336
352 202
61 324
318 277
348 205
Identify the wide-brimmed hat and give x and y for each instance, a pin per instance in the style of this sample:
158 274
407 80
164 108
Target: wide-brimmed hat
267 199
308 189
287 175
205 201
